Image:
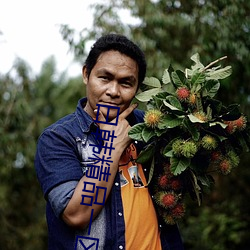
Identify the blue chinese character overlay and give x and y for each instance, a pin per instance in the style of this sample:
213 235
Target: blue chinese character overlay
108 109
86 243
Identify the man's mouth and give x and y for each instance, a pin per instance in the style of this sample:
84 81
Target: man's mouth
109 103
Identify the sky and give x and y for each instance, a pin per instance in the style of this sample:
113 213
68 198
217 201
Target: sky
30 31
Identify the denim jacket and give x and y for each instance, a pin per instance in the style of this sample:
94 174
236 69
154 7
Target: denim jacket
61 159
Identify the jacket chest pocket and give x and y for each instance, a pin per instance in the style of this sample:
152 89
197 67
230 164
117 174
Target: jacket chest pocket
85 151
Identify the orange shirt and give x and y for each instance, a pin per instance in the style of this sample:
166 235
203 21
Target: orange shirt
141 224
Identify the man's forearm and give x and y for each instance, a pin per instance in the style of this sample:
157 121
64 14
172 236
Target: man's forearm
76 213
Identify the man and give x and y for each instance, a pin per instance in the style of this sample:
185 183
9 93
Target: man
109 206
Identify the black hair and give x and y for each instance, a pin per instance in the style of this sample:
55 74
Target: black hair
118 43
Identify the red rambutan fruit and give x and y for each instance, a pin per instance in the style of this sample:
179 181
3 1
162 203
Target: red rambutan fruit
168 199
230 127
215 155
240 123
167 170
183 93
163 181
175 183
169 219
178 211
225 166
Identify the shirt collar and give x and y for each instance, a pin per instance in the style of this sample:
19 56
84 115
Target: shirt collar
85 120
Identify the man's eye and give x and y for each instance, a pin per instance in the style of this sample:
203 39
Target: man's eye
126 83
104 78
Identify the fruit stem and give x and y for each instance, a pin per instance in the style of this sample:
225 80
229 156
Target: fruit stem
214 62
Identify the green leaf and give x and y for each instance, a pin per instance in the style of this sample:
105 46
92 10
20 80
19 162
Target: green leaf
146 155
170 106
211 88
166 77
223 125
161 95
197 89
170 69
169 88
205 180
196 187
174 110
233 112
136 132
243 142
215 105
196 59
199 104
222 138
151 171
169 153
193 130
147 95
157 101
179 78
160 132
220 73
174 102
147 133
170 121
194 119
198 66
198 78
178 165
209 113
152 82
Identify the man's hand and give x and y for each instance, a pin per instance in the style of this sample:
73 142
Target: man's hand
121 129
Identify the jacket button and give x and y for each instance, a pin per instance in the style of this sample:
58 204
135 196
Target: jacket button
120 247
120 214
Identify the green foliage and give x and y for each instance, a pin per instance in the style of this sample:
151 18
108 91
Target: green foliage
28 104
215 228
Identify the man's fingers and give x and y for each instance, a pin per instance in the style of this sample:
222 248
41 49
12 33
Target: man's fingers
127 111
99 117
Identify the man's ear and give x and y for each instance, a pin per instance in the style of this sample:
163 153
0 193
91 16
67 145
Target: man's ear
84 74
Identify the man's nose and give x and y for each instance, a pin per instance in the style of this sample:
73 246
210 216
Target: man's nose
113 89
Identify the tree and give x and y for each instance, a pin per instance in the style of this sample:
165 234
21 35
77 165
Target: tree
28 104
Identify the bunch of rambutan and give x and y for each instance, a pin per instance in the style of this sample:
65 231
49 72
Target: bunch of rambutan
191 130
224 162
168 196
236 125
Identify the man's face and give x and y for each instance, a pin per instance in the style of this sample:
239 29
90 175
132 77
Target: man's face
113 81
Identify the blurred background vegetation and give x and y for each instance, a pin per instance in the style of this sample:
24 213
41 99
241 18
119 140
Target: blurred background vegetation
169 32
